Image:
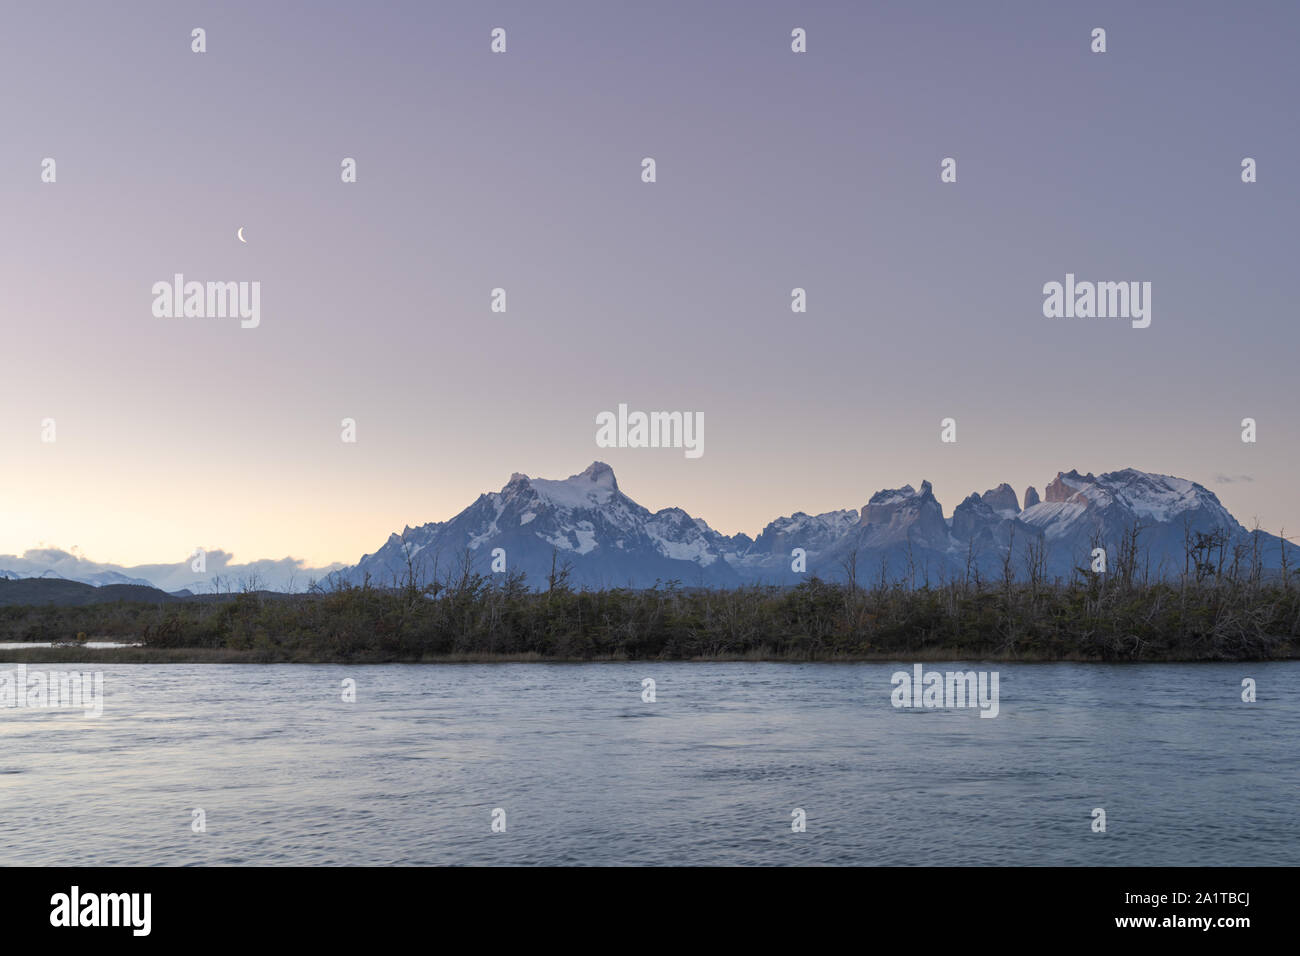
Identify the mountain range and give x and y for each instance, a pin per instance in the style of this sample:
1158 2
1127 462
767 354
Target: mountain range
606 539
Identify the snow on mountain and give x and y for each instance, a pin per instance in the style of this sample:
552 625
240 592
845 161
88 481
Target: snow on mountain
1126 496
1079 510
767 559
585 521
54 563
610 540
278 575
1054 519
101 578
904 515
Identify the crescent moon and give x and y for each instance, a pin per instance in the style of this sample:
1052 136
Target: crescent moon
240 234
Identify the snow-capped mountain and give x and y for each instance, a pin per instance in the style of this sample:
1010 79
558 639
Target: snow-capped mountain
606 538
768 557
1079 510
219 573
899 534
609 540
62 565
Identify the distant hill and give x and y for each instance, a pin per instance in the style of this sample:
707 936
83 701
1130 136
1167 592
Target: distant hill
62 593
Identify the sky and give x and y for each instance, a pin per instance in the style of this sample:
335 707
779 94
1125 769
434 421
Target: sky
523 170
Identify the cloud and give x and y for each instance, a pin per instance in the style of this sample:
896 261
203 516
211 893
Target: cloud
1231 479
221 573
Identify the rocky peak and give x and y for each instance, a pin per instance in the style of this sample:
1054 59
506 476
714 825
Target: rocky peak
1002 499
1066 485
972 515
904 513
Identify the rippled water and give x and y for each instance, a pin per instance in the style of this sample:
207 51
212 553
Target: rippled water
286 772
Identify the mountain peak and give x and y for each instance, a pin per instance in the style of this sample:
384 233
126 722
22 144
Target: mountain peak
901 513
599 473
1002 499
592 488
894 496
1066 485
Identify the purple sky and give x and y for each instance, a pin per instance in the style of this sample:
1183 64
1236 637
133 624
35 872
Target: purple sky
522 170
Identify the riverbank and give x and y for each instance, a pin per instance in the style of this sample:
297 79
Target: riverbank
204 655
478 619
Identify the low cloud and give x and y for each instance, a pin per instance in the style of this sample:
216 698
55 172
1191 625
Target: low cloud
222 572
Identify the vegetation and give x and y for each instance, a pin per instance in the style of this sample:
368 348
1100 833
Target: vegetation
1222 607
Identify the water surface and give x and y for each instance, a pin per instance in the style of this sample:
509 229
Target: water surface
286 772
